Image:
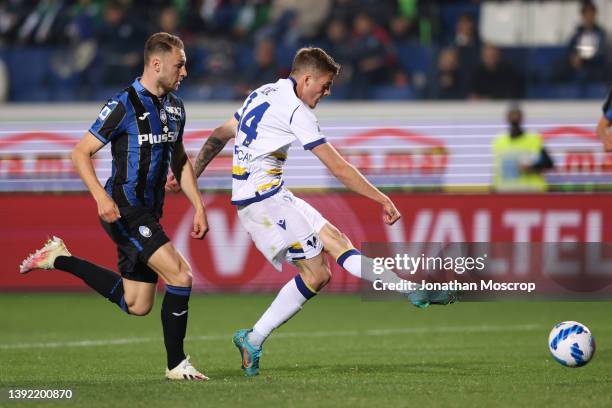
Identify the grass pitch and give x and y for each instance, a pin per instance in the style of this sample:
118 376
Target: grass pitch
339 351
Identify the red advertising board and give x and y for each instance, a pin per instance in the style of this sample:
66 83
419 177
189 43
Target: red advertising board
227 260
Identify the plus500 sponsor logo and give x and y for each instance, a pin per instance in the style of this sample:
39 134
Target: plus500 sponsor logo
154 139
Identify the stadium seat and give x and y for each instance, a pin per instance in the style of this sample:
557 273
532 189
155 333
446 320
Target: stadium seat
596 91
29 74
543 63
416 58
390 92
554 91
517 56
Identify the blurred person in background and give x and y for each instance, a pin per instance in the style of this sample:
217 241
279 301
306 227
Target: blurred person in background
495 78
264 68
603 126
467 42
168 20
587 47
40 25
372 56
403 31
120 36
450 78
12 13
520 158
309 16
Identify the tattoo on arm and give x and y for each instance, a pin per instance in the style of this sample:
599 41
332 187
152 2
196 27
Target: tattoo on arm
209 151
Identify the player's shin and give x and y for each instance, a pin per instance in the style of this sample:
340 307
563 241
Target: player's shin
107 283
288 302
174 313
362 267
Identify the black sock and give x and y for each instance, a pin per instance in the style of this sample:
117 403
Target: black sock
105 282
174 322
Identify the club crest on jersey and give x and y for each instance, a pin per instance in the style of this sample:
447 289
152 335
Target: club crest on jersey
162 116
175 112
312 242
144 231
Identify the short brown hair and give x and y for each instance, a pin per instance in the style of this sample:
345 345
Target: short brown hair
161 43
314 58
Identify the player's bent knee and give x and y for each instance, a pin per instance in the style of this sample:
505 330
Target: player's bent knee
323 277
140 309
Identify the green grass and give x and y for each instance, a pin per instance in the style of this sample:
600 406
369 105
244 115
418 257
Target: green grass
339 351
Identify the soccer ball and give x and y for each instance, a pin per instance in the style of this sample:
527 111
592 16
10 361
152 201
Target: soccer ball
571 344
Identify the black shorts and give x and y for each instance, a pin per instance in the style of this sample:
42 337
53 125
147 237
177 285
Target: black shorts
138 235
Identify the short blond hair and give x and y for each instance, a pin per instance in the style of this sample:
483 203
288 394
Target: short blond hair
315 59
160 43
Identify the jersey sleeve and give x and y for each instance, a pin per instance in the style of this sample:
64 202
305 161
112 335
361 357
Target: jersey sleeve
110 121
305 127
607 108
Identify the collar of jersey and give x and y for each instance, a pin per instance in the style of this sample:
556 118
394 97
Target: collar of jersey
141 89
294 86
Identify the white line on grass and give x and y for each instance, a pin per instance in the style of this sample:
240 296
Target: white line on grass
345 333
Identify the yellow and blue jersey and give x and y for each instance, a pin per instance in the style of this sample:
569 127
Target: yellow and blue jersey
269 121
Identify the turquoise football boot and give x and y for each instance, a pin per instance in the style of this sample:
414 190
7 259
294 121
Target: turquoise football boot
424 298
248 353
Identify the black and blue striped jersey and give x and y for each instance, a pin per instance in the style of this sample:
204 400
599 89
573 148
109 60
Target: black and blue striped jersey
143 131
607 106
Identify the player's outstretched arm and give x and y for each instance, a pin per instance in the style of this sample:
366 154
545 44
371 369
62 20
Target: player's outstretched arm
187 181
81 157
354 180
604 133
213 146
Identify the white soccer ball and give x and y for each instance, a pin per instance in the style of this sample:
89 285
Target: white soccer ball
571 344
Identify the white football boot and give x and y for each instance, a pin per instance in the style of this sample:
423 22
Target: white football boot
185 371
45 257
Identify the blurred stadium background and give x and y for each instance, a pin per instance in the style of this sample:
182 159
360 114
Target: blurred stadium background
424 91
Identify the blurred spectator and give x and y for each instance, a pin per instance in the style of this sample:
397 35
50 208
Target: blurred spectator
309 15
264 70
587 47
403 30
450 81
336 40
520 158
372 57
252 16
467 41
168 21
12 13
495 78
80 21
39 26
283 30
120 40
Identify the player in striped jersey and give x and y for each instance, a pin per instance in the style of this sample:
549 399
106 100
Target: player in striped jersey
605 122
144 125
282 226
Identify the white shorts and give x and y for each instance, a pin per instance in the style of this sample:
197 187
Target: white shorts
283 227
